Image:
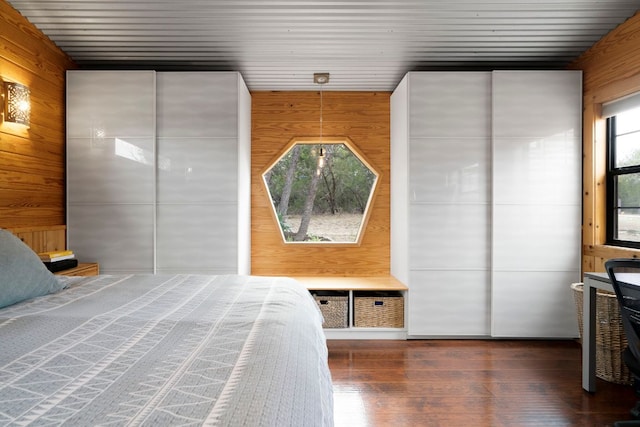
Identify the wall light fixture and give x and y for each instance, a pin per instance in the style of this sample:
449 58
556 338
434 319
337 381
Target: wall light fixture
17 103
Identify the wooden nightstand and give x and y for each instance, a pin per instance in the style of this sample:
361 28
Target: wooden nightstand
83 269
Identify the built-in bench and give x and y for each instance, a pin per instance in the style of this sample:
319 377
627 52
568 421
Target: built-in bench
378 288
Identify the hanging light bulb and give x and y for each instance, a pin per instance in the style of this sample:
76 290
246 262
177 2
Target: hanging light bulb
321 155
321 79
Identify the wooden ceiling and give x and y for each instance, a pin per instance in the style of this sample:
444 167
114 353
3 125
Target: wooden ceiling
364 44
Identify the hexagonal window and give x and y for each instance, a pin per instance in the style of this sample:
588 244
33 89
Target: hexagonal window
321 192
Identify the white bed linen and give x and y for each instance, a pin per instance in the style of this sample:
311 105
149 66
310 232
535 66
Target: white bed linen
166 350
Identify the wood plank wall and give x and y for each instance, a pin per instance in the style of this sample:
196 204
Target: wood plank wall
277 117
611 70
32 188
43 238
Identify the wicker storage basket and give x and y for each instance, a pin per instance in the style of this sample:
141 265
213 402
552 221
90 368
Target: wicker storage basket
610 337
334 307
378 310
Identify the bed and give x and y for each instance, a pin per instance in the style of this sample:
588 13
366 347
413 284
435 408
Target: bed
160 350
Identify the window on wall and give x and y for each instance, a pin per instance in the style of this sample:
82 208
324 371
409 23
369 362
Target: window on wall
623 179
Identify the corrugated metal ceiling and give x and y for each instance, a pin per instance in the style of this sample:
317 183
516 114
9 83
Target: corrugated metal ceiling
365 45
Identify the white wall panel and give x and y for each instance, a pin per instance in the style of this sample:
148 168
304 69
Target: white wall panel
449 104
117 236
197 238
110 169
533 304
536 238
536 103
197 170
450 170
449 237
112 104
449 303
198 104
533 170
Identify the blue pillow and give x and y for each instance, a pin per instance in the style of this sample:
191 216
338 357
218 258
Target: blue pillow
22 274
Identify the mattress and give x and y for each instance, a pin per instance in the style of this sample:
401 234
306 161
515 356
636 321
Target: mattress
158 350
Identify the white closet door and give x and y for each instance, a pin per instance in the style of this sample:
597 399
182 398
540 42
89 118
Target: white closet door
197 209
400 181
111 168
244 178
536 202
449 205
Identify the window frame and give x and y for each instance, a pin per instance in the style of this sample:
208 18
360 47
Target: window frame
351 146
612 173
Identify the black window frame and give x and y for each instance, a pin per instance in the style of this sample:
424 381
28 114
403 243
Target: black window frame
612 191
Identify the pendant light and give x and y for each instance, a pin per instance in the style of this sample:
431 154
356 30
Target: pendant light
321 79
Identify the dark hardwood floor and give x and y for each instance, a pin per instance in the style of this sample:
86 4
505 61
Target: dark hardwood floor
471 383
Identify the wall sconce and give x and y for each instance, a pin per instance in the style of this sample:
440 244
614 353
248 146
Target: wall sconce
17 103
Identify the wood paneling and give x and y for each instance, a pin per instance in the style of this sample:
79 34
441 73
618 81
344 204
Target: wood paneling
277 117
611 70
43 238
32 159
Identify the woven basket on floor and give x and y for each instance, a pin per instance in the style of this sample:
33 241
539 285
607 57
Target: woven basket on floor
610 337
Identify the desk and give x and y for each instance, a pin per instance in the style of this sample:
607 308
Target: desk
592 282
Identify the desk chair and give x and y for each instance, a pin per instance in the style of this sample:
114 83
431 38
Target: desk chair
625 278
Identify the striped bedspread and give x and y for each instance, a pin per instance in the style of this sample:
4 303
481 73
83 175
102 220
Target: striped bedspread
182 350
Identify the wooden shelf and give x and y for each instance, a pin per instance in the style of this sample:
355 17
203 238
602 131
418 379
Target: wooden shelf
83 269
356 283
353 284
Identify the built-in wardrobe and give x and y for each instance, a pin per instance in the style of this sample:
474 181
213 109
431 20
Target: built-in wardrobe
486 201
158 171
